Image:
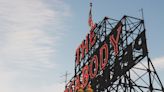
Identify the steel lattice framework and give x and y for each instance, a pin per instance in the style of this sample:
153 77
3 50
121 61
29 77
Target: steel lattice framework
131 70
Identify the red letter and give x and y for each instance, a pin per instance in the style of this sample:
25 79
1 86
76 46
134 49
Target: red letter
92 36
115 41
103 56
77 58
66 90
77 83
70 87
85 76
93 72
84 46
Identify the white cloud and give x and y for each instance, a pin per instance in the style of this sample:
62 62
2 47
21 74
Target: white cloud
8 84
158 63
22 40
29 31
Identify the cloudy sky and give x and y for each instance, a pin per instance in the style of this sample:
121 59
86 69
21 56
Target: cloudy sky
38 38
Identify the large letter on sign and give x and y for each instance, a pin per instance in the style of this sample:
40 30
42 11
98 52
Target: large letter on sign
103 56
85 46
85 76
77 83
77 59
127 58
71 86
114 38
66 90
93 67
92 37
140 44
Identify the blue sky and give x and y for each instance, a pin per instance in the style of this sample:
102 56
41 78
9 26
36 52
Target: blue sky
38 38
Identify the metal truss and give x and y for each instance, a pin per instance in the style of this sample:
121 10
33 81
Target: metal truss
135 75
140 78
131 70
